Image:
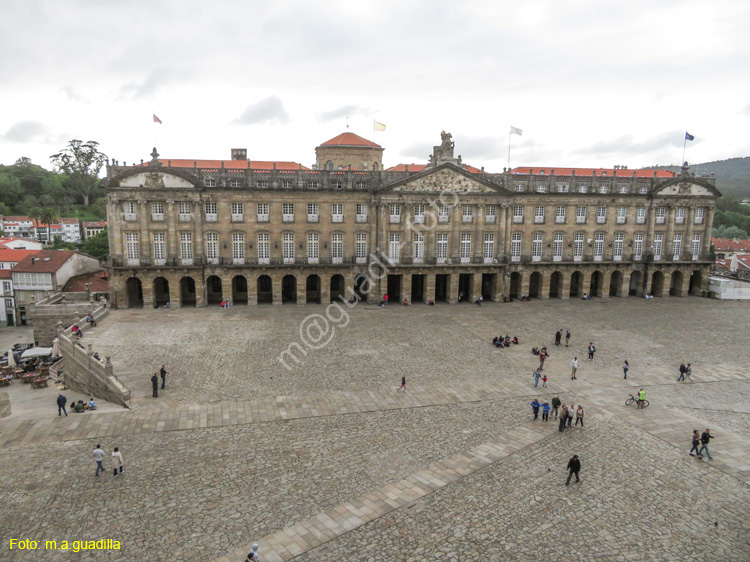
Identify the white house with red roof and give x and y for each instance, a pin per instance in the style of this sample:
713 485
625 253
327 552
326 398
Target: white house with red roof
726 248
92 228
18 226
71 230
14 243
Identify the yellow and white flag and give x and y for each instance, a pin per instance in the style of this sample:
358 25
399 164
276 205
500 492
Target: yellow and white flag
378 126
516 131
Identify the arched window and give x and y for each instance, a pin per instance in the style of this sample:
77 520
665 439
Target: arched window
329 166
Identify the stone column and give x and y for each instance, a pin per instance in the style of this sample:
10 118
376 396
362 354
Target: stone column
200 288
172 249
226 288
544 289
198 220
325 287
669 242
586 282
174 289
475 288
709 220
145 242
606 283
506 229
454 246
477 235
452 288
625 289
252 289
498 290
687 244
301 288
406 287
147 287
429 287
276 287
565 285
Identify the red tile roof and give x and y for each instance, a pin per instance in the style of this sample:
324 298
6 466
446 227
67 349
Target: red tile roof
729 245
5 274
743 261
16 218
421 167
95 224
599 172
45 261
723 263
98 283
69 221
10 255
232 164
350 139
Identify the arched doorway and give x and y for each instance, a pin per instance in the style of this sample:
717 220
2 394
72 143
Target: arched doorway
615 284
657 284
187 291
239 290
535 285
289 289
636 284
134 291
576 285
675 286
337 287
214 292
555 285
362 286
312 288
265 289
515 285
161 292
696 283
597 280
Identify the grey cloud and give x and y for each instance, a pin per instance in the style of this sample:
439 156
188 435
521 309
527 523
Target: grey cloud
746 109
155 79
73 94
25 131
343 111
627 144
268 109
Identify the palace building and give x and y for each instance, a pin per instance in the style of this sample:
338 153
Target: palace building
195 232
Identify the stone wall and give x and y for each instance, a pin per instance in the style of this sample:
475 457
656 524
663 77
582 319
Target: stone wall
67 308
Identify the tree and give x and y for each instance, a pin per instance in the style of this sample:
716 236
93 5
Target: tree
731 232
35 215
97 246
49 216
81 162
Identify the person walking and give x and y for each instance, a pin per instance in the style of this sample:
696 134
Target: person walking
403 384
641 397
479 300
563 418
682 372
542 358
555 404
385 299
537 374
625 368
705 438
98 456
117 461
696 444
567 338
535 407
61 401
544 381
592 350
545 411
573 368
579 415
574 467
571 409
252 556
558 337
163 374
155 385
688 373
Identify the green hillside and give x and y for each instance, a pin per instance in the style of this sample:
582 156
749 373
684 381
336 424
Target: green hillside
732 175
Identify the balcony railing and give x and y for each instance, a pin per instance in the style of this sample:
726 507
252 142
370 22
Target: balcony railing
601 220
212 261
640 220
395 219
467 218
185 217
130 217
312 260
311 217
443 218
679 220
698 220
186 261
538 219
360 260
580 219
556 258
238 217
361 218
490 219
337 218
263 218
157 217
212 217
287 218
660 220
517 219
418 219
620 220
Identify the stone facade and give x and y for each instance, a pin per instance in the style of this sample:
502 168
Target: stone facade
66 309
195 237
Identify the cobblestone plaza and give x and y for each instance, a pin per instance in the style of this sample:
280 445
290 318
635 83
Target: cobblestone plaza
326 461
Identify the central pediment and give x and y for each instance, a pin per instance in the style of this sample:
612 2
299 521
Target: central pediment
445 178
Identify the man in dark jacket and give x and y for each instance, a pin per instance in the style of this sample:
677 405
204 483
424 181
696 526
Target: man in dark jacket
535 406
555 405
574 466
61 401
682 372
705 438
155 385
163 374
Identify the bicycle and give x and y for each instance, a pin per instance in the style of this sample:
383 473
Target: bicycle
641 403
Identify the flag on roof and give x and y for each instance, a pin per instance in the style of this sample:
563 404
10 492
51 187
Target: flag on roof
516 131
688 136
157 120
378 126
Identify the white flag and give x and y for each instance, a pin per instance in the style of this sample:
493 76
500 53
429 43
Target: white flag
378 126
516 131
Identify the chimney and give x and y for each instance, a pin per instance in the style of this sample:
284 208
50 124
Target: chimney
33 260
239 154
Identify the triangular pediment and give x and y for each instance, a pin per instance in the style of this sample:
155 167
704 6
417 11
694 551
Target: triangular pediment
446 177
686 187
157 178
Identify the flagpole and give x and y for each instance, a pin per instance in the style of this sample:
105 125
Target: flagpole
153 124
684 146
509 133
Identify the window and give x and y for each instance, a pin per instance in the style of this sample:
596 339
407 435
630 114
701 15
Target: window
643 190
238 247
679 215
582 189
287 184
442 246
132 250
699 215
660 213
263 212
598 246
337 212
515 247
443 215
465 247
238 212
676 246
621 215
212 247
489 247
623 188
209 182
490 214
211 212
6 286
562 188
360 185
541 188
264 247
617 252
637 246
9 304
186 246
418 214
640 215
128 209
518 213
580 215
696 249
288 247
160 248
603 189
601 215
235 183
312 247
418 247
467 213
557 247
395 213
360 247
538 214
658 238
536 246
287 212
560 214
394 246
337 247
520 188
312 212
262 183
157 211
312 185
361 212
578 247
184 211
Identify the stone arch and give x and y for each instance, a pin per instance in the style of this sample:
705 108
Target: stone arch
657 284
696 283
289 289
597 284
556 285
265 289
362 286
636 284
134 292
214 291
337 286
615 284
329 166
312 289
576 285
161 291
187 291
516 281
535 285
239 289
675 285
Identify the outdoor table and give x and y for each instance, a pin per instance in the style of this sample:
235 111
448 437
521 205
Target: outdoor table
5 381
18 373
30 377
39 383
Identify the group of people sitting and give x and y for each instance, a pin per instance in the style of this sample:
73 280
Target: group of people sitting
79 407
501 341
587 297
224 303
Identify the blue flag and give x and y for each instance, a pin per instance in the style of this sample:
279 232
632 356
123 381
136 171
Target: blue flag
688 136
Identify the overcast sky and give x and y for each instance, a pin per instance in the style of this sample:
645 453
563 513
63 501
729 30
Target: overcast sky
591 83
